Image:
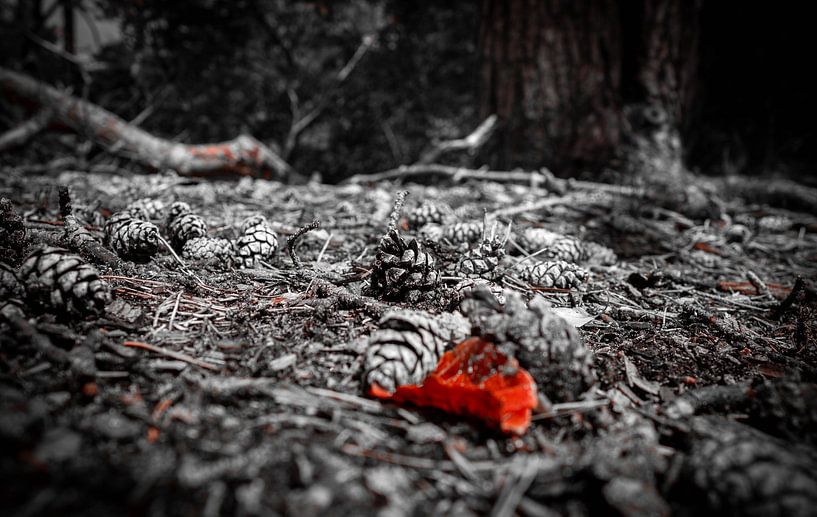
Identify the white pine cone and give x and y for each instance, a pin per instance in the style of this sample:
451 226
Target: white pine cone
482 262
138 212
178 208
258 242
431 232
183 224
131 238
595 253
401 267
555 245
556 273
206 248
408 345
463 233
60 280
153 209
428 213
774 223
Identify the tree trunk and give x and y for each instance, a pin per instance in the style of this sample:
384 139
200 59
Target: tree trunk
576 83
665 89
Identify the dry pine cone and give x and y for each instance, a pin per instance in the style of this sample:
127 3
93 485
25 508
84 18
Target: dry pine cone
549 347
734 469
258 242
401 267
556 273
59 280
131 238
206 248
463 233
183 225
408 345
151 208
428 214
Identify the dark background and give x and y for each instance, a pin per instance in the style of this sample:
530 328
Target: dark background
207 70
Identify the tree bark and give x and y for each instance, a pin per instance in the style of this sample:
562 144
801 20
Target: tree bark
577 83
551 71
243 155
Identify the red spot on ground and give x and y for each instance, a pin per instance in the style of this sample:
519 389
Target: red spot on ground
475 379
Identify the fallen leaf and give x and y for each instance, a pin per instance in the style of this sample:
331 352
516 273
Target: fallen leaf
635 379
576 317
474 379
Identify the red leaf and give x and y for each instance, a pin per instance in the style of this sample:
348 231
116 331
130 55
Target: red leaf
474 379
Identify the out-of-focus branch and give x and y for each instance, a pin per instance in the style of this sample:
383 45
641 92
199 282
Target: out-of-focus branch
21 134
471 143
243 155
300 123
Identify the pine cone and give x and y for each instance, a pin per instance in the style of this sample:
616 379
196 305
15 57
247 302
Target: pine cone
206 248
557 273
401 266
483 261
774 223
594 253
131 238
183 225
733 469
153 209
463 233
431 232
56 279
428 214
552 245
258 242
178 208
549 347
408 345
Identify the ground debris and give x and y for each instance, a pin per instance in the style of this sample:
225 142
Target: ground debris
206 387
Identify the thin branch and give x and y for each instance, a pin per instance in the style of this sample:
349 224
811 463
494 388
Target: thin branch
20 134
299 124
293 240
471 143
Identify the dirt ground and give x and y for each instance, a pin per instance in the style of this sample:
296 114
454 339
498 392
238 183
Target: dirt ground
239 390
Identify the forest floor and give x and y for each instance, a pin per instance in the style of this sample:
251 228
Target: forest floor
239 391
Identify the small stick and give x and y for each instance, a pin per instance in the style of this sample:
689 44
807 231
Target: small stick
293 240
394 216
183 266
170 353
323 250
799 284
65 201
759 284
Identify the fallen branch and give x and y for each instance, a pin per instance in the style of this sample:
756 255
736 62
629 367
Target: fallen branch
541 178
243 155
470 143
20 134
456 174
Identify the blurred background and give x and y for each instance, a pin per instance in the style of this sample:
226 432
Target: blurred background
588 88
